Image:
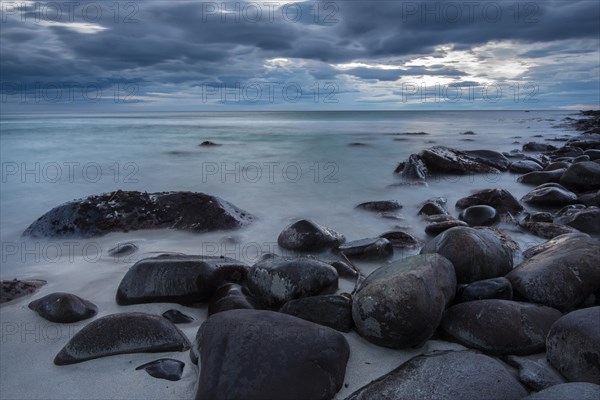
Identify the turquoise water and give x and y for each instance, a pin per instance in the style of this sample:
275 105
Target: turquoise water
277 165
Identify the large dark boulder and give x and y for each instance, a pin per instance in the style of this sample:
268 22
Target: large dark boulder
582 176
122 334
495 288
265 355
502 200
368 249
586 220
573 345
500 326
448 375
476 254
183 279
380 205
307 235
551 196
489 157
541 177
479 215
277 280
561 275
334 311
13 289
400 304
524 166
123 211
446 160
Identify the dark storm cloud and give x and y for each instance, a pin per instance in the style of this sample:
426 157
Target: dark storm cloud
188 43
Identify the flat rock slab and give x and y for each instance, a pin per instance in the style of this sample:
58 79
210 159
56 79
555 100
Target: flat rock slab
183 279
122 334
451 375
252 355
124 211
500 327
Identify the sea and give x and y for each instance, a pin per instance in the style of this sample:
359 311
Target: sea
279 166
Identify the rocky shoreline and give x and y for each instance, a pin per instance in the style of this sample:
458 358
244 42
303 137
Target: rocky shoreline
276 329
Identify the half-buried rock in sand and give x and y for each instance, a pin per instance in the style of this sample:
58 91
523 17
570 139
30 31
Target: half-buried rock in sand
122 334
63 307
183 279
122 211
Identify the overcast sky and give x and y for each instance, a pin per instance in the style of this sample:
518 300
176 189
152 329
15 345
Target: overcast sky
281 55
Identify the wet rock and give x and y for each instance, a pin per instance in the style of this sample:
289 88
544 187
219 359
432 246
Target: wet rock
276 281
582 176
546 230
550 196
251 354
63 307
557 165
567 151
557 241
489 157
468 133
164 368
500 326
208 143
536 374
11 290
541 177
533 146
577 390
561 275
230 296
343 269
590 199
400 304
334 311
587 220
453 375
446 160
122 334
479 215
593 154
183 279
570 209
413 169
438 227
307 235
434 207
573 345
524 166
380 206
177 317
539 217
476 254
368 249
400 239
123 249
122 211
502 200
581 159
495 288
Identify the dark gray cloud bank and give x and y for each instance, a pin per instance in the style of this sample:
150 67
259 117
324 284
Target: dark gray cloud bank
192 55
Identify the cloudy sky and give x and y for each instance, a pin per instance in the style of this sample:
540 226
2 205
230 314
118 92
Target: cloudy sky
316 55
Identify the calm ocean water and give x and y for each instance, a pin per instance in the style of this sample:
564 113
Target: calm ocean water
279 166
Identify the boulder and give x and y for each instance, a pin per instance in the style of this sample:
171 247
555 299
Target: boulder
183 279
63 307
380 206
436 228
476 254
586 220
447 375
165 368
256 355
533 146
524 166
479 215
307 235
400 239
230 296
576 390
546 230
368 249
541 177
502 200
334 311
550 196
123 211
446 160
500 326
536 374
177 317
400 304
582 176
489 157
573 345
562 275
275 281
122 334
495 288
11 290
